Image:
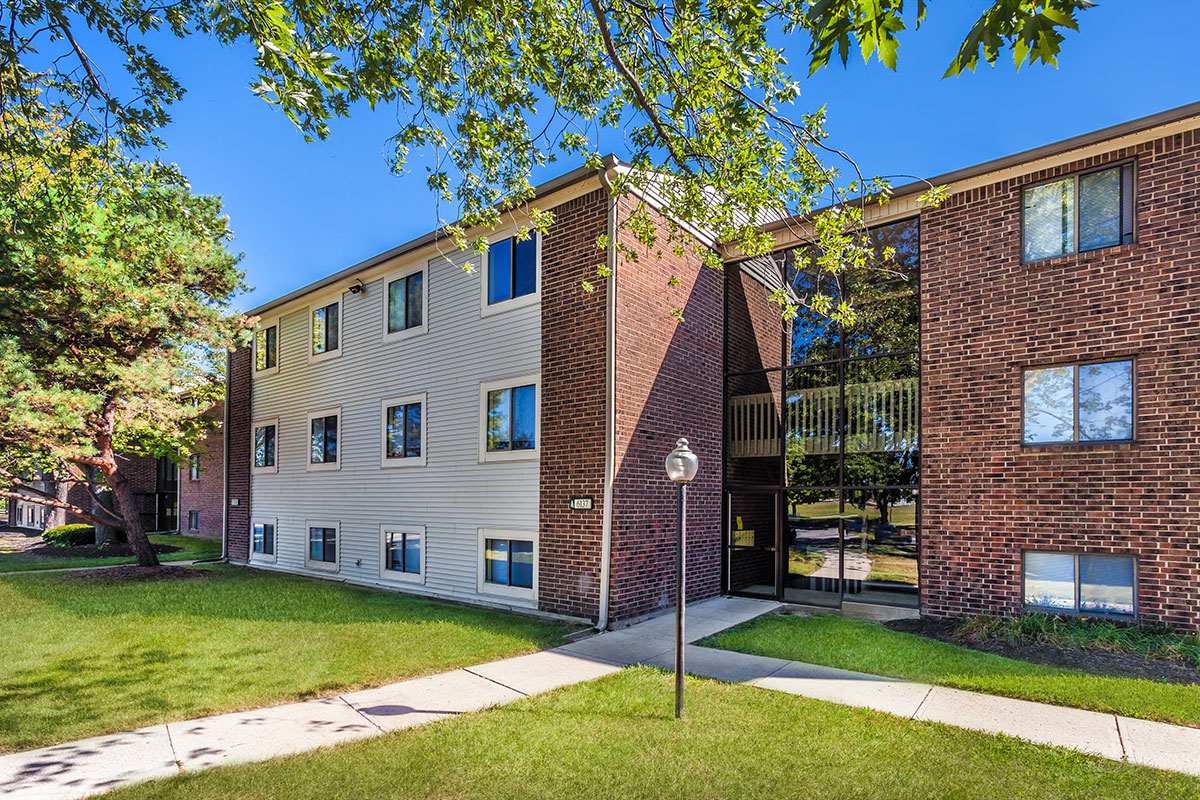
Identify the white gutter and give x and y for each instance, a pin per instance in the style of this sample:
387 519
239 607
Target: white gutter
610 444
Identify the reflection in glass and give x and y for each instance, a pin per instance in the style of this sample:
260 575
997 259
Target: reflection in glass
1050 219
1049 404
1106 584
752 543
1100 209
881 545
813 425
1106 401
1050 580
813 549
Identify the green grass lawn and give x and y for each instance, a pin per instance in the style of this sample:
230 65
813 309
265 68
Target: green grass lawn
191 548
615 738
869 647
84 656
902 516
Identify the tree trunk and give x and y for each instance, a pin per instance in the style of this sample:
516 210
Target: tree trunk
102 502
128 510
58 516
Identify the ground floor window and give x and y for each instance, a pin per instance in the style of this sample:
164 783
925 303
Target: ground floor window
402 550
322 544
1080 583
193 520
263 539
508 563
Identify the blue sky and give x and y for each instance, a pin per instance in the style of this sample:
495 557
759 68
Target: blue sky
303 210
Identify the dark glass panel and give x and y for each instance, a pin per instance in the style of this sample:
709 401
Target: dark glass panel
500 271
881 545
521 566
885 296
813 568
1106 401
412 430
331 327
753 428
814 334
813 418
331 439
415 315
524 278
1106 584
412 553
1100 209
397 301
498 423
882 421
752 518
395 432
524 417
496 556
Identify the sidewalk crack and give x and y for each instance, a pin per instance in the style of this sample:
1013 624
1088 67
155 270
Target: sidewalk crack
493 680
374 724
171 744
917 710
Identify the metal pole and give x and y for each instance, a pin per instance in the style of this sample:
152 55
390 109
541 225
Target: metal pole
680 528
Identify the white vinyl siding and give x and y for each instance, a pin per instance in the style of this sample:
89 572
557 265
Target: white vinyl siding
452 495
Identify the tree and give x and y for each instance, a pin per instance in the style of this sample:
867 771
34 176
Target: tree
497 87
114 290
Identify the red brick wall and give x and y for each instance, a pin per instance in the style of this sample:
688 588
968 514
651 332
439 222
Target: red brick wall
985 316
204 494
573 408
668 384
237 517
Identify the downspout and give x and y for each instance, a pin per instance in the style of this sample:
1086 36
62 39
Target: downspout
225 459
610 445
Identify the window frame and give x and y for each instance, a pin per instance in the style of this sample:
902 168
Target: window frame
263 326
386 574
192 513
194 464
254 426
271 557
316 305
1131 194
487 456
324 566
1076 611
1075 441
404 461
484 586
487 309
321 466
416 330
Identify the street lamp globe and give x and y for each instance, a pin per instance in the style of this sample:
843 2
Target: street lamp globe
682 463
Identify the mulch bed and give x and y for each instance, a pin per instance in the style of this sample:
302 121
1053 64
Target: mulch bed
1099 662
162 572
113 550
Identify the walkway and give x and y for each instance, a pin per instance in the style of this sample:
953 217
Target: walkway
79 769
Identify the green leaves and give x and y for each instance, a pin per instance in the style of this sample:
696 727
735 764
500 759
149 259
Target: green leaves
1029 27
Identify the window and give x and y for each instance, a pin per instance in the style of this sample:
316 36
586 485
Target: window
264 453
403 552
1079 213
323 439
1079 403
1080 583
262 539
509 426
322 545
404 308
326 328
403 427
193 520
266 348
512 269
508 563
193 468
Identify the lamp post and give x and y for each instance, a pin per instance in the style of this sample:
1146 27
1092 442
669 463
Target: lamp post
681 468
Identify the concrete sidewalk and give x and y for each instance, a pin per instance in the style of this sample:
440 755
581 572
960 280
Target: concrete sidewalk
79 769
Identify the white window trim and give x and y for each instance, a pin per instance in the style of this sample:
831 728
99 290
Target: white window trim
482 584
254 426
486 457
486 309
197 513
263 557
407 461
262 326
327 466
407 333
324 566
338 297
386 574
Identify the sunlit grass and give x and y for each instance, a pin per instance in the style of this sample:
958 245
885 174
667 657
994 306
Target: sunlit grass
835 641
85 656
192 548
616 738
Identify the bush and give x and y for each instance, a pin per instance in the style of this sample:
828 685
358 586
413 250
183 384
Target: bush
1144 640
70 535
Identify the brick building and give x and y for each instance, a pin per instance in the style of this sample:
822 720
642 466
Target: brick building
1011 423
201 505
